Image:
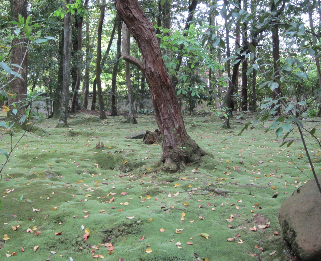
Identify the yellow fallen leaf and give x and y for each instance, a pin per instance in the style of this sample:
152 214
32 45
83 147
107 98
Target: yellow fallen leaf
205 235
273 187
35 248
148 196
150 219
186 204
5 237
149 250
162 230
87 231
87 195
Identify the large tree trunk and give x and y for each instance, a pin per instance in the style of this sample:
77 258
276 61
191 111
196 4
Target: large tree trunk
114 76
126 49
102 114
177 146
19 56
66 69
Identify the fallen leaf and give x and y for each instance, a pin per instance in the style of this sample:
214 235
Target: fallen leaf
205 235
38 233
5 237
15 227
189 243
22 249
271 254
87 231
123 193
58 233
85 237
162 230
35 248
131 217
149 250
253 228
231 239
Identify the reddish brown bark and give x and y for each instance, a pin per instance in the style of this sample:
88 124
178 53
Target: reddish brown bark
177 145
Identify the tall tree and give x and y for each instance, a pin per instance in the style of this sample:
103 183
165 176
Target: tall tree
79 17
66 67
126 51
19 56
276 58
87 65
178 147
244 63
115 71
102 114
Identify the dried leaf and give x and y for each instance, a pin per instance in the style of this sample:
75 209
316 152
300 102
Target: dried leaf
149 250
162 230
205 235
231 239
87 231
189 243
131 217
35 248
58 233
5 237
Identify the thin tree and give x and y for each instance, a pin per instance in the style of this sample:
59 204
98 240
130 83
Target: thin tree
115 71
126 51
66 68
178 147
102 114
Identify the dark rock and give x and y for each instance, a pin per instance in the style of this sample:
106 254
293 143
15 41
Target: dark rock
136 135
300 220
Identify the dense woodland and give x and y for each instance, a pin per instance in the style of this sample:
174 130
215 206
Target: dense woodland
241 55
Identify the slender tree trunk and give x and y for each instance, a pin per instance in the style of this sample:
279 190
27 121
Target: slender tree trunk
93 103
87 68
114 76
58 93
19 56
66 69
276 56
244 64
79 24
102 114
177 146
126 49
104 59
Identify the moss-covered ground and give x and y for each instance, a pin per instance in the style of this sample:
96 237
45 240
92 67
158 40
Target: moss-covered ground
58 188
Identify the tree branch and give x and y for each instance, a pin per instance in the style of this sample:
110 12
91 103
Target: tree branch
126 56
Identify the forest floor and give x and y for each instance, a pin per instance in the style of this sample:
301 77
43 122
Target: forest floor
64 199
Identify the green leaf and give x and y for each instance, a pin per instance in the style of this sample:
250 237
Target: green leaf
14 111
5 67
312 131
286 127
21 197
279 132
4 153
311 52
302 75
274 86
281 119
290 143
256 66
